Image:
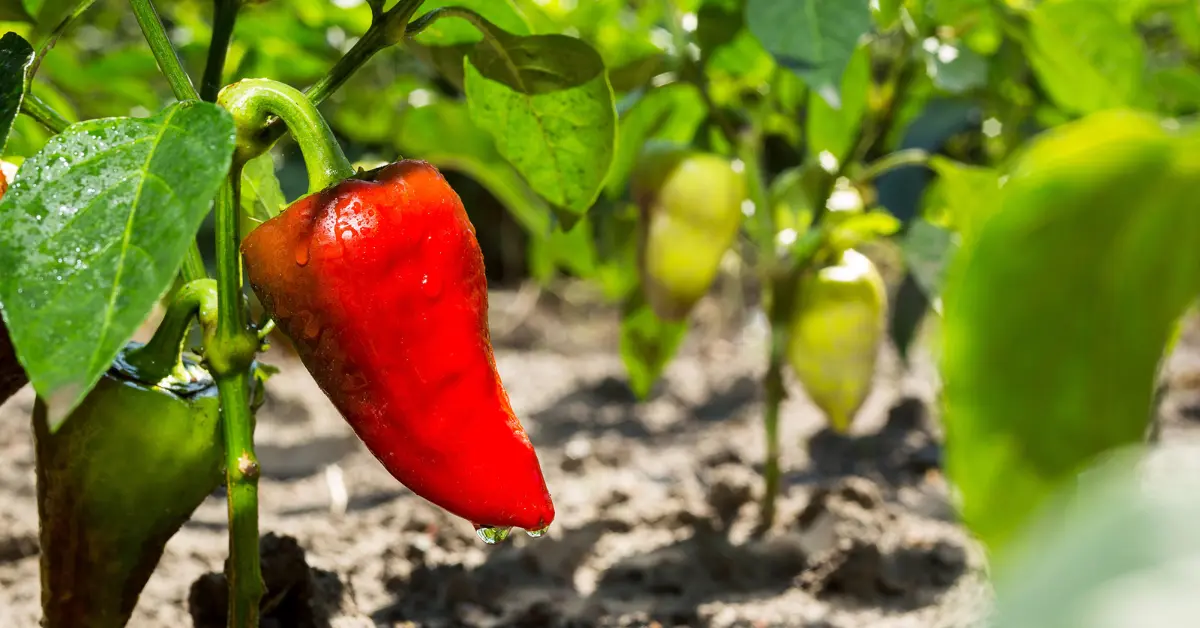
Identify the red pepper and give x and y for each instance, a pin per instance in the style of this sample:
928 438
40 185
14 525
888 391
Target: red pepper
379 282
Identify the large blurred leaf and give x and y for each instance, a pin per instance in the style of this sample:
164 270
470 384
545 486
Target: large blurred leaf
1057 312
974 20
835 130
670 113
962 197
15 56
813 38
547 102
647 344
92 233
443 134
1084 56
1117 550
452 31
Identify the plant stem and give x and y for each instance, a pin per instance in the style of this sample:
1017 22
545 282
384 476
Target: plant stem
241 478
37 109
159 357
253 102
53 39
164 52
230 352
892 161
380 35
224 17
181 85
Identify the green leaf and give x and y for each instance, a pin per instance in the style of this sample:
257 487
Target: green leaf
962 197
1084 56
1056 314
262 197
813 38
451 31
928 250
647 344
835 129
857 228
671 113
952 67
92 234
443 134
547 102
15 56
1117 549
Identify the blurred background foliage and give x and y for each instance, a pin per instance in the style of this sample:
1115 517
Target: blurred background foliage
932 77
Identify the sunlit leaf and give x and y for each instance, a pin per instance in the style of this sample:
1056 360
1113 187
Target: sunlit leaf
1084 56
835 130
547 102
93 232
813 38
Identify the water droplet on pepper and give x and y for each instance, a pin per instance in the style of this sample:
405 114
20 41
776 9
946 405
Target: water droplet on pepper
540 532
491 535
301 253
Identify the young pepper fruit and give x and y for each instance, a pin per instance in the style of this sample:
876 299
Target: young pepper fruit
691 209
114 483
379 283
835 334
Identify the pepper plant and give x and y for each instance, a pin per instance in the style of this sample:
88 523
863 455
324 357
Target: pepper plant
1026 157
100 224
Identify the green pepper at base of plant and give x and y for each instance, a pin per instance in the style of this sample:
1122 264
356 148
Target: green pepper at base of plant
114 484
835 334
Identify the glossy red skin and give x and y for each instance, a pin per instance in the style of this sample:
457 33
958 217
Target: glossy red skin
380 285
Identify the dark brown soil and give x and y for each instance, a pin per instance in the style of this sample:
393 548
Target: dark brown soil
656 502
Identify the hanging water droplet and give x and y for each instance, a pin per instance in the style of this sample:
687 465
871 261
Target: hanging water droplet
301 253
538 533
491 535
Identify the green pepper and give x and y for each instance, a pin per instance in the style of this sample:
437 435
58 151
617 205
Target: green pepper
115 482
835 334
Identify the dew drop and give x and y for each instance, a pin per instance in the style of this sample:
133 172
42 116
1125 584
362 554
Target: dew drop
431 286
491 535
301 253
540 532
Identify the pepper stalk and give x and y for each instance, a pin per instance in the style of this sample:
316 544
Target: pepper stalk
253 104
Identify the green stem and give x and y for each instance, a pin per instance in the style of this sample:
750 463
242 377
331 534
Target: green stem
160 357
253 102
241 478
53 39
898 159
380 35
164 52
181 85
229 353
224 17
37 109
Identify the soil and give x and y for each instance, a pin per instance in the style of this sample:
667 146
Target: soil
657 501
